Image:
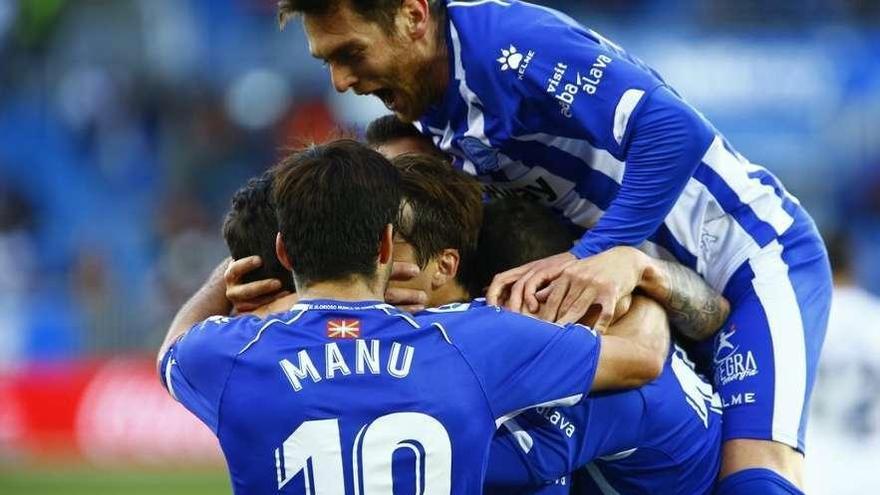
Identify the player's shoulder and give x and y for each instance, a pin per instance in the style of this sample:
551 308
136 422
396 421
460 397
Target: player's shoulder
510 33
508 52
491 38
502 17
225 327
456 307
456 311
218 338
478 314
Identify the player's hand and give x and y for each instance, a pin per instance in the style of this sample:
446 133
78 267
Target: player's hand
602 281
516 288
592 315
246 297
409 300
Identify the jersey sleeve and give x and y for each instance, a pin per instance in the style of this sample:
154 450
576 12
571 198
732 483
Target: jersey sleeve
571 85
666 144
196 367
546 443
509 471
508 466
523 362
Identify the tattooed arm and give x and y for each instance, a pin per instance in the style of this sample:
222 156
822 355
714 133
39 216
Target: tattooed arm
694 308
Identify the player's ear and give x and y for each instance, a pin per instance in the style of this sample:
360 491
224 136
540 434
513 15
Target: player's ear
281 253
448 262
386 245
416 18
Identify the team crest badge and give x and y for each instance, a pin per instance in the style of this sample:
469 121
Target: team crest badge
343 329
484 158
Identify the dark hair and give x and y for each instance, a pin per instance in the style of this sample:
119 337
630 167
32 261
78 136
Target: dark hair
388 128
250 227
379 11
515 232
333 202
443 209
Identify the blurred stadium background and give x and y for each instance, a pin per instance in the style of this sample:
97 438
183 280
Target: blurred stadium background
126 124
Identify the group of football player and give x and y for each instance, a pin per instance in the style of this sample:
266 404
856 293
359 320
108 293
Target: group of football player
503 288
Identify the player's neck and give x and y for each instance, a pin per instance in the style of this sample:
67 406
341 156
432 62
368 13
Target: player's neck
352 289
449 293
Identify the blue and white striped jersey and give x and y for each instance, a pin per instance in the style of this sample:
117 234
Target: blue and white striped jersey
540 106
339 397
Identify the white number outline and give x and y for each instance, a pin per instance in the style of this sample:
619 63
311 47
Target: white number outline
316 452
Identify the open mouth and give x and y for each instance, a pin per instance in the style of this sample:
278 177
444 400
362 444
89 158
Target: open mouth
387 97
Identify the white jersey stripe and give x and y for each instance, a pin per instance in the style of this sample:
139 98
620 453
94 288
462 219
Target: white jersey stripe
595 158
446 135
687 216
476 121
773 288
513 169
581 212
760 198
624 110
725 246
443 140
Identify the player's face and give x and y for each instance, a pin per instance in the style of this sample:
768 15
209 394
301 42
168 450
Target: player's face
364 57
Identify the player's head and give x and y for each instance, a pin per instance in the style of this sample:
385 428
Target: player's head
392 137
515 232
336 204
250 228
393 49
439 226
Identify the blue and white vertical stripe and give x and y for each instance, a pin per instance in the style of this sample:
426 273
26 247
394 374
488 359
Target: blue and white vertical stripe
729 210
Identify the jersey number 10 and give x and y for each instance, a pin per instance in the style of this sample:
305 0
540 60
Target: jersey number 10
315 449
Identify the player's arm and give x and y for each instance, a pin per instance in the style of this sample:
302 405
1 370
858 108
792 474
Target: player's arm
509 468
667 142
694 309
635 347
579 86
209 300
201 346
523 362
634 117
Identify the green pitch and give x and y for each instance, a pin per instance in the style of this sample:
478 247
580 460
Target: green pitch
35 480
